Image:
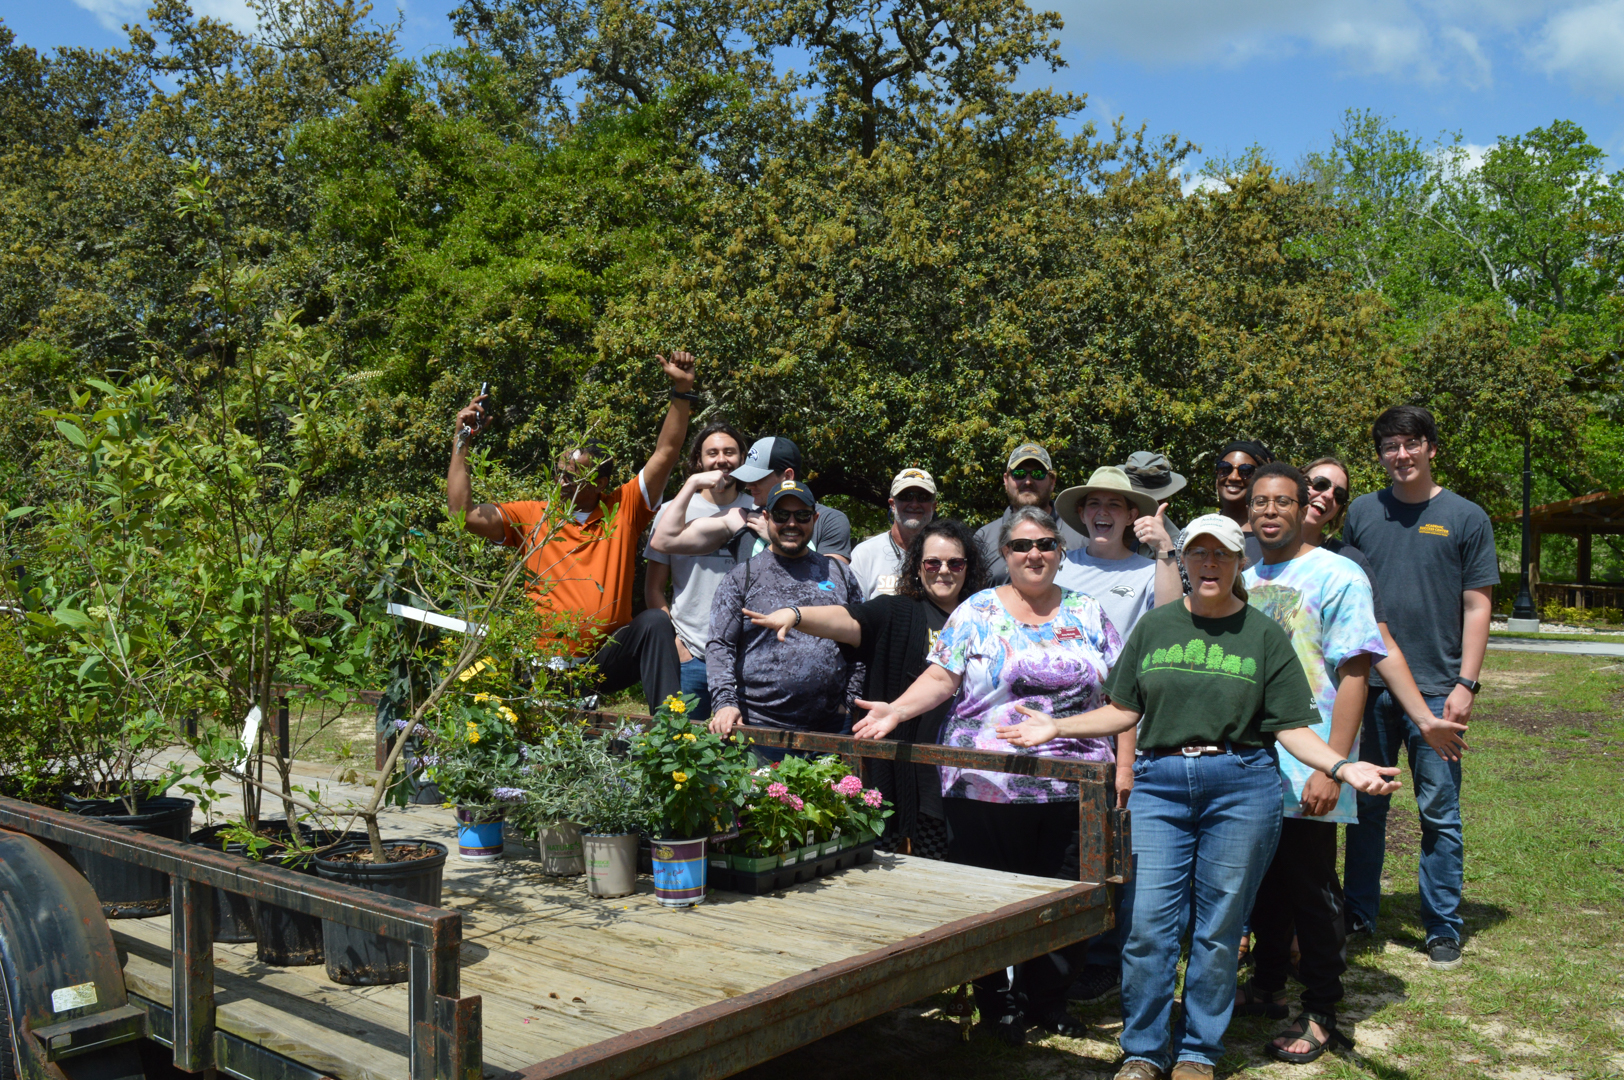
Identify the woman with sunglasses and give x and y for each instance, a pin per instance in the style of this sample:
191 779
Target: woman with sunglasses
892 635
1233 473
1212 683
1029 643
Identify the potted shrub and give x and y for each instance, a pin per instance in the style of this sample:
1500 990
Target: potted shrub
697 784
474 757
579 781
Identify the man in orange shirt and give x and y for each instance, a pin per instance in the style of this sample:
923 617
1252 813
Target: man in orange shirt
583 574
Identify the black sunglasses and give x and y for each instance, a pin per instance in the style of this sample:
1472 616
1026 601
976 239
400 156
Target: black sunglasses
1323 484
1035 472
1224 468
934 566
802 517
1026 543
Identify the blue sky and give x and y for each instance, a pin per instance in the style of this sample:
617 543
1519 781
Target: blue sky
1274 72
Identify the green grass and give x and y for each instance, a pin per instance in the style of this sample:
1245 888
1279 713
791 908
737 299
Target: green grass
1541 993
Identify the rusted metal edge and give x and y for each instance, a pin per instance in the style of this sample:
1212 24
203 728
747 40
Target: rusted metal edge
720 1039
393 917
233 1054
930 754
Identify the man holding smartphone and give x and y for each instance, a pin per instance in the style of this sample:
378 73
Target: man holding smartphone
581 568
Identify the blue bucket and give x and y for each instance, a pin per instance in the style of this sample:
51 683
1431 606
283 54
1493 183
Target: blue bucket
479 841
679 872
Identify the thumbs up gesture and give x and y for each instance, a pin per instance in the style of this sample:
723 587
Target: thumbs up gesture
1153 530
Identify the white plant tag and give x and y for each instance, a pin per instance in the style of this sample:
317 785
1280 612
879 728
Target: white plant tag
250 736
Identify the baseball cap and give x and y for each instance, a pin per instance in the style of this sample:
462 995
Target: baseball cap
1222 529
792 488
1030 451
912 478
767 456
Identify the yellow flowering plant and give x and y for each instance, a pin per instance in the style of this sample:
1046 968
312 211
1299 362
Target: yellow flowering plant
696 779
473 753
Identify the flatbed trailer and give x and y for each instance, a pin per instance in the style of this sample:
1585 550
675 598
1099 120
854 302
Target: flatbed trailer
521 974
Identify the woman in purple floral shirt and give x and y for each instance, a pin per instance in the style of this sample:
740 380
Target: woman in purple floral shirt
1028 643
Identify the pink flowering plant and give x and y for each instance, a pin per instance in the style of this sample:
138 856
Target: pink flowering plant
773 819
833 798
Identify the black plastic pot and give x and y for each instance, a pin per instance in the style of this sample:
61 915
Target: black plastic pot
291 938
128 891
233 912
356 957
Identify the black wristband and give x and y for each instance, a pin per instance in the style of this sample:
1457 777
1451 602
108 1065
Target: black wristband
684 395
797 616
1335 768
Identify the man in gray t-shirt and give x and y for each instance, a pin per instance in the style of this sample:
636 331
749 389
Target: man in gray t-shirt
802 683
1029 480
1432 555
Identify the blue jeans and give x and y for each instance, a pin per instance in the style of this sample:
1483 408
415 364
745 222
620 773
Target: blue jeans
1203 828
1437 798
693 682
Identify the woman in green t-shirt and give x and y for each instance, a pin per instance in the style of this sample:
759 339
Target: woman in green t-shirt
1216 684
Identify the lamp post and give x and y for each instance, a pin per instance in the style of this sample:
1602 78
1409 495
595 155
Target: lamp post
1524 616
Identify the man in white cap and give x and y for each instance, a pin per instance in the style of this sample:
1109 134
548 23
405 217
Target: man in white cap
1029 480
877 561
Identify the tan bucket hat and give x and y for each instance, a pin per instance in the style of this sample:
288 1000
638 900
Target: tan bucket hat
1106 478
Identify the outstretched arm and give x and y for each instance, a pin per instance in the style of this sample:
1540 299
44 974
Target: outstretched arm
830 621
668 449
484 519
1039 727
934 686
1312 751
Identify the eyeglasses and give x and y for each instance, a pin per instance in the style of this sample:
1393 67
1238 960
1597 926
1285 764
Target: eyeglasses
1033 472
1044 544
934 566
1195 555
801 517
1263 502
1322 484
1224 468
1409 446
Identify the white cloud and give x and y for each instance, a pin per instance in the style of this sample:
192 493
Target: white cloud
113 14
1422 41
1586 45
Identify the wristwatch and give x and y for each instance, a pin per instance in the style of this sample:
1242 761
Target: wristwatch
1471 684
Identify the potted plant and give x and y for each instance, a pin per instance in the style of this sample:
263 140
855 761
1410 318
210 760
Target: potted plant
578 780
474 758
697 784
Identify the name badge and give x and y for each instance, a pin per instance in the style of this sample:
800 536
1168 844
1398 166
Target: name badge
1068 633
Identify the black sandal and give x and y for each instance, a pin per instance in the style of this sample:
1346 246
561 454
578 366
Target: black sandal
1333 1038
1255 1003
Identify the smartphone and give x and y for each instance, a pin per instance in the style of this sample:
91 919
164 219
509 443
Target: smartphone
484 392
467 432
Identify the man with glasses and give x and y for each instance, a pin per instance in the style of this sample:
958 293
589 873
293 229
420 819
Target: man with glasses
877 561
802 683
1324 604
1029 480
1433 556
581 575
766 466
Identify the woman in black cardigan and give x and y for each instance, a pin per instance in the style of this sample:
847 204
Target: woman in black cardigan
893 635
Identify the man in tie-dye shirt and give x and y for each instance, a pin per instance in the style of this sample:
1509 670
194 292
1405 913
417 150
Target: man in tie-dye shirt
1323 601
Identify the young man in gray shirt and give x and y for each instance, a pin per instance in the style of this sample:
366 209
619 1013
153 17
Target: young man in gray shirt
802 683
1432 553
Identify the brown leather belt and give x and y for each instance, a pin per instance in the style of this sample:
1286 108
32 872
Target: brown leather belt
1188 750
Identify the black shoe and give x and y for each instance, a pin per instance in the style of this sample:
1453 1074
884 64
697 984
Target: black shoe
1059 1021
1010 1028
1360 932
1443 954
1095 983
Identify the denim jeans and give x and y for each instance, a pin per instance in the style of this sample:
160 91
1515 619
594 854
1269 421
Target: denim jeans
1204 829
693 682
1437 797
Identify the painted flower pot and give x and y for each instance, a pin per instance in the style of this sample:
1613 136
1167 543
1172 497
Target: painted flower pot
679 872
478 839
611 863
561 852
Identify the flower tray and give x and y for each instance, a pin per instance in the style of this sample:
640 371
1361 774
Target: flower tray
778 878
